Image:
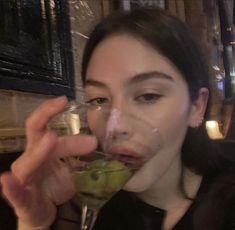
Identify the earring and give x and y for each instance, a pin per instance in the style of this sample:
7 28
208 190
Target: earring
199 122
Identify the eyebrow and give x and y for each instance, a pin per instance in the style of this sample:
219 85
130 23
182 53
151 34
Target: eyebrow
96 83
150 75
135 79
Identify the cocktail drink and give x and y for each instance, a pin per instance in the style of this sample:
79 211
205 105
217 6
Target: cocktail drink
95 183
100 174
99 180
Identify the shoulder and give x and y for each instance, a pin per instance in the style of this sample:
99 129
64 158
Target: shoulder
222 188
217 206
223 184
225 194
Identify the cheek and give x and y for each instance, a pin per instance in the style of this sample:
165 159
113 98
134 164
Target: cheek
171 128
174 118
97 126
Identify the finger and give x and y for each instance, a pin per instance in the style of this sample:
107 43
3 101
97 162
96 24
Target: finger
12 190
36 124
30 205
75 145
31 160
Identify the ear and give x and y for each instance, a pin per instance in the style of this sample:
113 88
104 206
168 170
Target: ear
198 108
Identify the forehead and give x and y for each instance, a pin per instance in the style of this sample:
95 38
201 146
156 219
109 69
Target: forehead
119 57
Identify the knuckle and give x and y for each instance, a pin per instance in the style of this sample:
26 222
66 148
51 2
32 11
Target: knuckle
49 141
14 167
29 123
50 136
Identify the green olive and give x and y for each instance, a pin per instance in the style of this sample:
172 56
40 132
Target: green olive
117 175
92 181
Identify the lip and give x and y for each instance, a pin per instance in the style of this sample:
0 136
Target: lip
126 155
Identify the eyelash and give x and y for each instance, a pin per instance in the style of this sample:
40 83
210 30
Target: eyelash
148 98
96 101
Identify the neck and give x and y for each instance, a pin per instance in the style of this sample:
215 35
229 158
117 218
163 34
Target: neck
166 193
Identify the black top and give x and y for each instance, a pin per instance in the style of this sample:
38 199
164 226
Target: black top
213 208
127 212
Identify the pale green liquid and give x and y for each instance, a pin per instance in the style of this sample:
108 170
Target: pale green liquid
96 186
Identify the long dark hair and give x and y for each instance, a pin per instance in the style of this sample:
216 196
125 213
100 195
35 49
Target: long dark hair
172 38
169 36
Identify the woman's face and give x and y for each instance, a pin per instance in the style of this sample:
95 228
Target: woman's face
143 106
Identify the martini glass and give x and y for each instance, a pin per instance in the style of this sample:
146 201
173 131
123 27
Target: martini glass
97 178
101 174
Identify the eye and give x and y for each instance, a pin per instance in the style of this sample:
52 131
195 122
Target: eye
148 98
97 101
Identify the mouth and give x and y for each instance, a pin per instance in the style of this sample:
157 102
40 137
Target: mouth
127 156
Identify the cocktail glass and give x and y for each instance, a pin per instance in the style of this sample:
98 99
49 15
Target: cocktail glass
101 174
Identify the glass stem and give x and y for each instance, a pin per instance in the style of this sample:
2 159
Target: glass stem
88 218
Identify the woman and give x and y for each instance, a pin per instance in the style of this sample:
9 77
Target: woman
181 186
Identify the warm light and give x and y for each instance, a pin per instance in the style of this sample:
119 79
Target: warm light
211 124
213 131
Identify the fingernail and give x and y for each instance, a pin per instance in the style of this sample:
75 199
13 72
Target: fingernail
61 98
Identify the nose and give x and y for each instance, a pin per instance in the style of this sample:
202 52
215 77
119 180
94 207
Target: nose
119 125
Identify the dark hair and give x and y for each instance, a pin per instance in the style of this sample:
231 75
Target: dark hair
169 36
164 33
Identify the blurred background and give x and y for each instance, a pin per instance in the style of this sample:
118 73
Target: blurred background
41 45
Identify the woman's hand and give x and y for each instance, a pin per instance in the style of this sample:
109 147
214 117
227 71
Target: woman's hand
39 180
